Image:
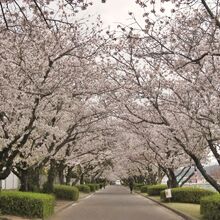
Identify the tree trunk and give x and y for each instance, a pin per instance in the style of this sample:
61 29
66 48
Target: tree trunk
160 175
172 181
34 179
207 177
68 175
200 167
6 162
61 169
48 188
61 177
23 180
5 172
29 178
82 178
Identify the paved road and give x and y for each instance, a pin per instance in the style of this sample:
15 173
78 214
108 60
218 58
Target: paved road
116 203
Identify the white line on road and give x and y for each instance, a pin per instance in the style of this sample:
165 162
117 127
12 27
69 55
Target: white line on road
88 197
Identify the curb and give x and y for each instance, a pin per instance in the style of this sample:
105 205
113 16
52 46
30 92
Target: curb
64 207
75 202
186 217
71 204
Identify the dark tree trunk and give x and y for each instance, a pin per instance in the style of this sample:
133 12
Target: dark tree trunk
34 179
48 187
172 181
200 167
23 180
68 175
82 178
61 169
29 179
61 177
5 173
6 162
207 177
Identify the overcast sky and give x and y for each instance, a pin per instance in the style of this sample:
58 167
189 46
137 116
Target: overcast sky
114 12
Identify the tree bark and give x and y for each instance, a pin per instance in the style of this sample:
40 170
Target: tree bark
69 175
61 169
23 180
207 177
160 175
29 179
48 188
82 178
172 181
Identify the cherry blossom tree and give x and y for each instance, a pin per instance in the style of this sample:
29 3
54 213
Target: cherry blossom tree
150 151
168 77
51 12
73 101
89 152
43 87
162 6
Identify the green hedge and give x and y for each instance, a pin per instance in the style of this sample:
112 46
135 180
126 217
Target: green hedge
83 188
137 186
93 187
66 192
97 186
155 190
34 205
144 188
210 207
187 194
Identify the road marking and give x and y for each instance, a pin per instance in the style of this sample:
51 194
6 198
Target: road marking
73 204
88 196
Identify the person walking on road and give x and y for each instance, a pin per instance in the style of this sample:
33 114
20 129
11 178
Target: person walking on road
131 184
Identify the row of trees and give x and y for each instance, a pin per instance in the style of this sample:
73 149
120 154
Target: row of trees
51 118
168 74
144 101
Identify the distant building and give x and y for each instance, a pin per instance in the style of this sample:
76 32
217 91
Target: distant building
118 182
197 178
11 182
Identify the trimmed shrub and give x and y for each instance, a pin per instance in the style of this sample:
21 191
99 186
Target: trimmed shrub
83 188
97 186
93 187
66 192
137 186
155 190
210 207
144 188
186 195
34 205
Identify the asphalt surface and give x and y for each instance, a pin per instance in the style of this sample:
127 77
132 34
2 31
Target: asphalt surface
116 203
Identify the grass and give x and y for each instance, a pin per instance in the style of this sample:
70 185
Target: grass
191 210
157 198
